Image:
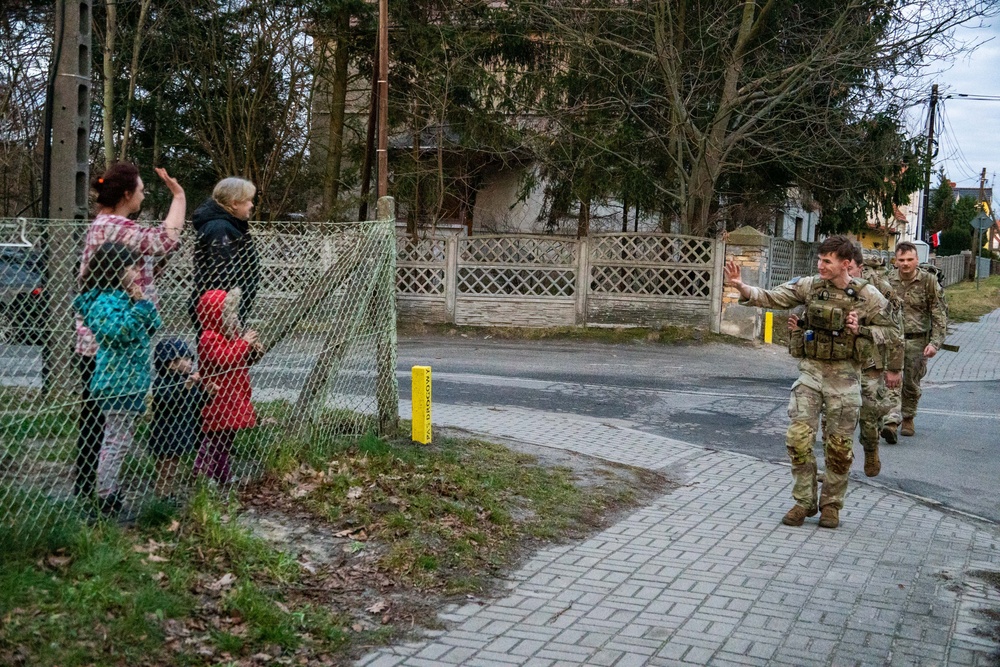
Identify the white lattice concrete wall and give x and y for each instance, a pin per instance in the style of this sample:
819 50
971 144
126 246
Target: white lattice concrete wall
544 281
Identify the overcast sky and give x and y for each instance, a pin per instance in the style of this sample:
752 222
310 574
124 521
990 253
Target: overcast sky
971 129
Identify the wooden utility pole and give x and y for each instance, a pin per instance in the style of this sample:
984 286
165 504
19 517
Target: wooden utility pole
366 167
383 98
979 230
922 228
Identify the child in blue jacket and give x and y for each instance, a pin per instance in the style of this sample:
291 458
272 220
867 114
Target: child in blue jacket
112 306
179 395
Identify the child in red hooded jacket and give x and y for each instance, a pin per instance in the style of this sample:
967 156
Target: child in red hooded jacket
224 358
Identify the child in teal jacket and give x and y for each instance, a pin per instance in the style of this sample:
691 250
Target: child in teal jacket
113 307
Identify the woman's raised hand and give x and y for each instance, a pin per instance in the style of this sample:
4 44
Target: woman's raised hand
171 182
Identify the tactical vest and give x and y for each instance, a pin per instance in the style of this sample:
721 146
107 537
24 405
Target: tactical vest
822 332
869 352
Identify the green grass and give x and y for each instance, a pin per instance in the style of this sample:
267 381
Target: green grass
968 304
197 586
94 597
35 425
73 594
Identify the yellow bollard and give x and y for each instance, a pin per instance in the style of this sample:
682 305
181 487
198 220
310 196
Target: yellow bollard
420 397
768 327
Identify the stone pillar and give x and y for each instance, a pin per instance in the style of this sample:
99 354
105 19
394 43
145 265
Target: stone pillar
751 250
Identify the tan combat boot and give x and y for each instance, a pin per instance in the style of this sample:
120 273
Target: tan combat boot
889 434
797 515
906 428
829 517
872 464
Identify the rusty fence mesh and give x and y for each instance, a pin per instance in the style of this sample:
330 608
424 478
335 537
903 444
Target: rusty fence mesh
132 363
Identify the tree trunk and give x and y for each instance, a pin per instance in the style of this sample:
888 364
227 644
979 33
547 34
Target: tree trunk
110 29
338 97
705 170
414 215
132 76
583 220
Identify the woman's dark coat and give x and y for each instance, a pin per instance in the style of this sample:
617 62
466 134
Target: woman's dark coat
224 256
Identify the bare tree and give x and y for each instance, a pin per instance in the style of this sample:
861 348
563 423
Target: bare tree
25 51
722 88
247 75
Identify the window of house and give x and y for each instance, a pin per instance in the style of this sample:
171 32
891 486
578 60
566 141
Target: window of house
798 229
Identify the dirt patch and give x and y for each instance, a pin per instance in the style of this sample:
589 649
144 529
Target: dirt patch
344 566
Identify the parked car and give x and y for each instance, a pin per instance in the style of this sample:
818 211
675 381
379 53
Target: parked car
22 297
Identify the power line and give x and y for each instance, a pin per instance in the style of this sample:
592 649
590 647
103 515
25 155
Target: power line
972 97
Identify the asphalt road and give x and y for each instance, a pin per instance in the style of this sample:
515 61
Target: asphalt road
718 396
727 397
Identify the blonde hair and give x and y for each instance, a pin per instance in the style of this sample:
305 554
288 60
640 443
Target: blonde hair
231 190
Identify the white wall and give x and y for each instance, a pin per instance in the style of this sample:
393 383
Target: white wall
792 210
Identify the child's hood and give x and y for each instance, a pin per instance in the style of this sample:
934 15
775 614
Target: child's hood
216 306
83 302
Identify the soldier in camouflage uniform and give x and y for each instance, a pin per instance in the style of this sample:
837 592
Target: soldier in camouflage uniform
925 323
877 382
839 309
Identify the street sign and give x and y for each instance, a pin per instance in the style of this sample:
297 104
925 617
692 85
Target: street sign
982 222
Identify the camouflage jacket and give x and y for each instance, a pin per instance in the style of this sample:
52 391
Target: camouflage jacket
878 355
924 308
873 311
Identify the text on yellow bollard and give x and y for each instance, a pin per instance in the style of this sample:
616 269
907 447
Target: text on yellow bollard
420 397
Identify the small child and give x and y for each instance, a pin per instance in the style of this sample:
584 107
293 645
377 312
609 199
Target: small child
179 395
113 308
225 357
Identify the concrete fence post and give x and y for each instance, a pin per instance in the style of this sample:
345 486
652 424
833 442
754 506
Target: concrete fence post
718 285
582 279
450 277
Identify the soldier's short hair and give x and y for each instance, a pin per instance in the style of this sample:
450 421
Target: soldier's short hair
838 245
905 247
859 257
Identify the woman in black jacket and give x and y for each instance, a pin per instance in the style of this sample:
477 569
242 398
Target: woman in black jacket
224 253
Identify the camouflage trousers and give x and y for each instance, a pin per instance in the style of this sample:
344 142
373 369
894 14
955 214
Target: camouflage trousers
904 399
876 403
833 389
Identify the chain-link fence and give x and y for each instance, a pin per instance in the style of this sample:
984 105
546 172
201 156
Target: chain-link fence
133 362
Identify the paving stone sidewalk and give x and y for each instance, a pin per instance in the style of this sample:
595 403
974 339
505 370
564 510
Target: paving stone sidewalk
979 357
707 575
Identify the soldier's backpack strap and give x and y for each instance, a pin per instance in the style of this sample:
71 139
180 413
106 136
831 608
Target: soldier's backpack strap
930 290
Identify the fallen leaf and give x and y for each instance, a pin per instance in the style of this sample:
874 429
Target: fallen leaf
59 561
174 525
153 558
378 607
225 581
302 490
357 627
354 492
